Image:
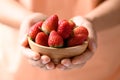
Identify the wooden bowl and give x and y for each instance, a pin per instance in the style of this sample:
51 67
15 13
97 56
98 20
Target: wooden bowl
56 54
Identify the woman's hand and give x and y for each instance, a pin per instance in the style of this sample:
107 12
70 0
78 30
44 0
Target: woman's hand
42 61
79 61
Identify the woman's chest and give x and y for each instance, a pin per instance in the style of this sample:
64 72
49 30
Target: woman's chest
64 8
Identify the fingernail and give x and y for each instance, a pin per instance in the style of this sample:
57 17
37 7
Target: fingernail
36 57
50 67
45 59
66 63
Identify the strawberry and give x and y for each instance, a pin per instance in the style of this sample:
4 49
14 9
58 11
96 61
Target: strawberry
55 40
80 30
39 24
76 40
34 30
64 29
60 21
41 39
72 24
50 24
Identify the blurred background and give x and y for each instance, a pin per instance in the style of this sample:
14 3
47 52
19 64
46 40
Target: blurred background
104 65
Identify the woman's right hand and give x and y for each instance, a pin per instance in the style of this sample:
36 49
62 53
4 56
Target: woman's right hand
42 61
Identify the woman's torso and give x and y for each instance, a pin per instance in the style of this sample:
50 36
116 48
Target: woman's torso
65 8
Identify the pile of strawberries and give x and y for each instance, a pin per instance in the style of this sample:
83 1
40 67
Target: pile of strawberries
57 33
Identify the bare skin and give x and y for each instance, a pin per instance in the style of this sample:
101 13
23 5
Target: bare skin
91 20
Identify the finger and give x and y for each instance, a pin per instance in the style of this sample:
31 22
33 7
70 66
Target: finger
50 65
74 66
66 62
79 65
61 67
45 59
37 63
82 58
30 54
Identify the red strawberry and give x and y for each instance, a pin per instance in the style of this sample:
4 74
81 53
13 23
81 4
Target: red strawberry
55 40
35 29
76 40
72 24
42 39
50 24
60 21
80 30
64 29
39 24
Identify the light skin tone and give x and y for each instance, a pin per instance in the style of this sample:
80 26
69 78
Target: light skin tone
96 20
65 63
